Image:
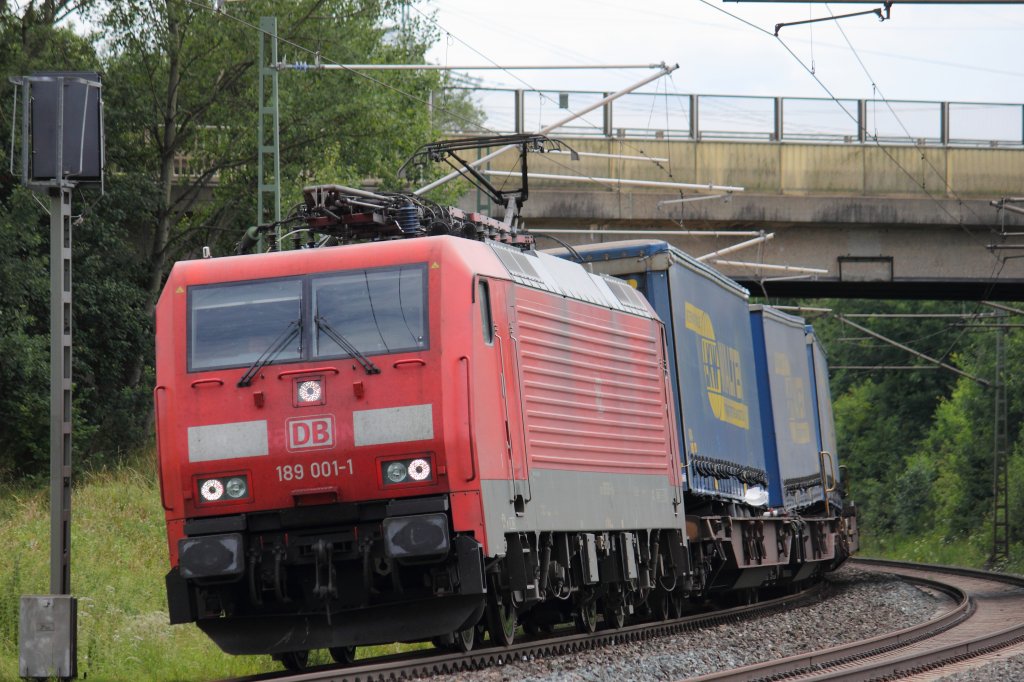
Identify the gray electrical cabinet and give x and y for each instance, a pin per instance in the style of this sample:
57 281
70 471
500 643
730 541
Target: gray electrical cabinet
46 632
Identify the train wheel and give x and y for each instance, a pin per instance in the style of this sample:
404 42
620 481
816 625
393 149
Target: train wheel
465 639
501 616
586 617
343 654
678 603
615 613
296 661
661 604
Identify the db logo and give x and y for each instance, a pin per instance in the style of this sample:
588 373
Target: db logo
310 433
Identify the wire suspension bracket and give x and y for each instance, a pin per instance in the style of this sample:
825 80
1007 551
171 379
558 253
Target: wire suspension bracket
881 12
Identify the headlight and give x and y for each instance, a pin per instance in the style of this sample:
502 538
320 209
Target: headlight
309 391
396 472
211 489
419 470
236 488
415 470
223 488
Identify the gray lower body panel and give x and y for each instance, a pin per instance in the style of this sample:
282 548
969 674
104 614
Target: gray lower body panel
580 501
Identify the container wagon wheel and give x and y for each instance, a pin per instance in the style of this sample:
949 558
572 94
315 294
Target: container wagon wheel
296 661
343 654
586 616
501 615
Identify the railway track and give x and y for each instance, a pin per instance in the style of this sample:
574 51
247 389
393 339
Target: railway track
426 663
986 615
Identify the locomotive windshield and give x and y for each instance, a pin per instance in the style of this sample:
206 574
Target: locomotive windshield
378 311
233 324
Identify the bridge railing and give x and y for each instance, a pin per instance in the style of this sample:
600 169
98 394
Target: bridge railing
756 119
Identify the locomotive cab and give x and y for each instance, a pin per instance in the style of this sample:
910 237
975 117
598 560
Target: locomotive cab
307 465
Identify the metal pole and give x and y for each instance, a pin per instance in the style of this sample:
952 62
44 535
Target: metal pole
1000 463
60 369
769 266
674 233
544 131
739 247
60 390
607 118
269 187
302 66
620 181
944 123
862 120
778 119
520 112
694 117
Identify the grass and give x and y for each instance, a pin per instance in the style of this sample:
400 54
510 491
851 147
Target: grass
118 563
119 560
934 548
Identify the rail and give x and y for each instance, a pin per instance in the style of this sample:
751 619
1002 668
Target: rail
976 626
691 117
984 617
425 663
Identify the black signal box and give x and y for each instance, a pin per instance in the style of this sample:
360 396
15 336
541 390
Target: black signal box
66 132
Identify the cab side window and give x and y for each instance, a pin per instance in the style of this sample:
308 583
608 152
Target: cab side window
483 296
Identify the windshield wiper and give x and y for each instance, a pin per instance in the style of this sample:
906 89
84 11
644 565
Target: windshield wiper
272 351
345 344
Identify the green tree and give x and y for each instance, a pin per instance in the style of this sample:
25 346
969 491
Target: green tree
180 85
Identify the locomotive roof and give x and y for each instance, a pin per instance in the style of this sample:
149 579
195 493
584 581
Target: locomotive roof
531 268
559 276
629 256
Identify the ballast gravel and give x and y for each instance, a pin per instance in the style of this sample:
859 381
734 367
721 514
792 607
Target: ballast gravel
1002 671
860 604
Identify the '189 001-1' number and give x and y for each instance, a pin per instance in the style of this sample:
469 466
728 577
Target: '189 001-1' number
297 472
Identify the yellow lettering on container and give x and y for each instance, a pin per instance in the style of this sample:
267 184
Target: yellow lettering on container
723 375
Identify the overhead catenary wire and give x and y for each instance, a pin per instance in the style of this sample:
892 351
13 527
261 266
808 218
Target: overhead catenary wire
924 157
908 349
546 129
321 60
580 115
999 263
317 54
954 219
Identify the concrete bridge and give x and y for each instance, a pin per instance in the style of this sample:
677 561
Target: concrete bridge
851 215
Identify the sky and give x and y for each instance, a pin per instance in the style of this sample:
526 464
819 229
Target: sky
956 53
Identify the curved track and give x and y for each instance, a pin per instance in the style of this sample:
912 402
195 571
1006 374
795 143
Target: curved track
431 662
988 616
